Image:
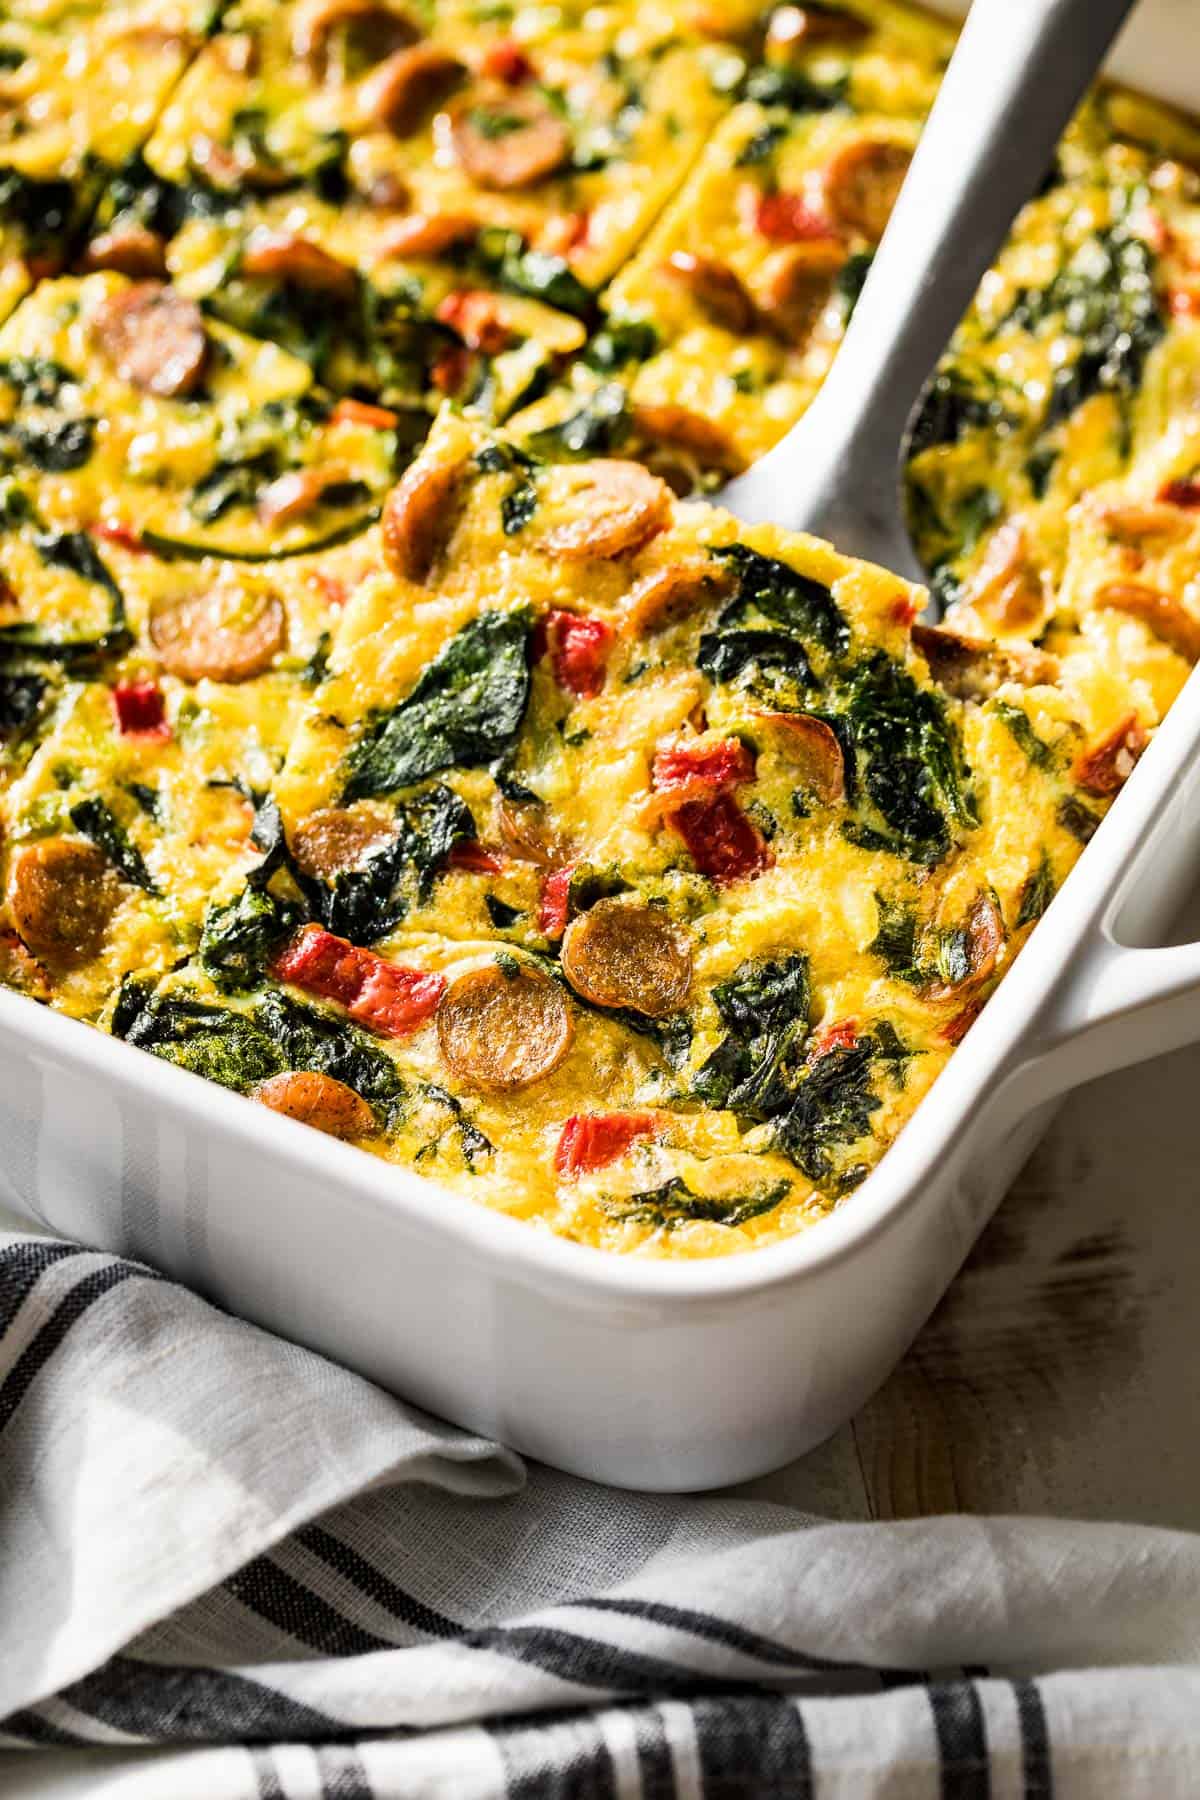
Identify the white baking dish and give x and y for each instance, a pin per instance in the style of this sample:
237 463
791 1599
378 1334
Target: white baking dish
645 1374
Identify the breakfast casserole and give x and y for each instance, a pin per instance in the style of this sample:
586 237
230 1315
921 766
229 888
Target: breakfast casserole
395 730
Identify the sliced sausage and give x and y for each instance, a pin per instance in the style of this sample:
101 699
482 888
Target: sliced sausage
154 338
667 595
972 668
680 428
61 895
317 1100
428 234
299 492
1161 613
980 940
1129 521
796 287
336 838
504 139
369 31
399 93
615 507
1104 768
1005 584
502 1029
716 290
284 256
812 749
862 182
223 633
416 517
796 28
129 249
623 954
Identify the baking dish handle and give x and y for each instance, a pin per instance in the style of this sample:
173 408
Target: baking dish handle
1117 1005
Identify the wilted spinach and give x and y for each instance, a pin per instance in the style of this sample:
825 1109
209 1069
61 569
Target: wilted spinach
910 762
764 1007
96 821
21 699
619 342
56 445
674 1204
465 709
598 428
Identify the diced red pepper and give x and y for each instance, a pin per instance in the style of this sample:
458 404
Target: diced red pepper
698 770
578 647
361 412
723 843
1183 302
905 608
384 996
841 1036
555 908
475 316
507 62
564 232
140 709
125 535
473 857
449 370
1181 493
790 219
593 1140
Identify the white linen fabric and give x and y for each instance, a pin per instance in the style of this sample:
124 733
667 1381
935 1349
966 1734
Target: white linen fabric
232 1571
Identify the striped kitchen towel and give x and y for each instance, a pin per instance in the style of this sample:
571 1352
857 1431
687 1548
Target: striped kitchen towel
232 1571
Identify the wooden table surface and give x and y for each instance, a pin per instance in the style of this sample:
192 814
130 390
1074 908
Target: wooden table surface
1061 1372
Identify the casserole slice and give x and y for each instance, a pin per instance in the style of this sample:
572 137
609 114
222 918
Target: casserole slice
643 847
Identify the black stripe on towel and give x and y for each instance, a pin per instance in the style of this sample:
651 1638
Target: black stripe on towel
195 1706
342 1774
21 1268
286 1603
559 1759
69 1311
962 1740
752 1747
1035 1741
374 1584
269 1784
655 1767
718 1631
28 1724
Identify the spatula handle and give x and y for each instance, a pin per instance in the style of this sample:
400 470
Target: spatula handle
1019 71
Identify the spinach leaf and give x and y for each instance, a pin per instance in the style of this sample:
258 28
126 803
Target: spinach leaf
21 699
95 820
599 428
954 402
771 664
230 484
239 937
310 1039
1037 893
367 902
500 912
795 90
471 1141
852 278
466 708
831 1107
895 940
517 507
761 146
1017 719
765 1009
1078 819
56 445
536 273
674 1203
621 341
74 550
37 380
43 211
788 599
914 775
314 671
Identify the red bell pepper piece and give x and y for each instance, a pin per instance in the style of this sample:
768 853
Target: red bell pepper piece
1181 493
361 412
841 1036
475 316
384 996
578 647
593 1140
507 62
555 908
140 711
700 770
723 843
125 535
790 219
475 858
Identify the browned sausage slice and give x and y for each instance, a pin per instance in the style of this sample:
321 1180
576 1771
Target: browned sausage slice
129 250
667 595
528 836
980 940
715 288
972 668
862 181
283 256
796 287
623 954
336 838
615 507
502 1030
317 1100
399 93
369 30
505 138
1104 768
416 517
795 28
679 428
1161 613
154 338
224 634
811 749
61 895
299 492
428 234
